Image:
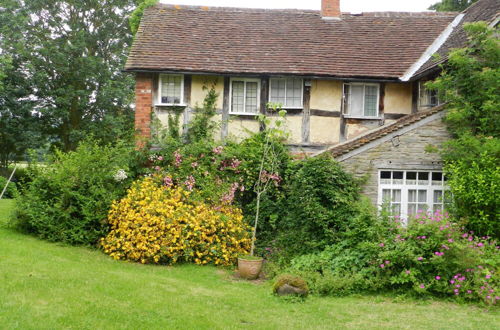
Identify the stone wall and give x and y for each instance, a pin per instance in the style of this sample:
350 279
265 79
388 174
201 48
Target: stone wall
406 151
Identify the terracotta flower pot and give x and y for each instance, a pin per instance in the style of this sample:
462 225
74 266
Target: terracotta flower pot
249 269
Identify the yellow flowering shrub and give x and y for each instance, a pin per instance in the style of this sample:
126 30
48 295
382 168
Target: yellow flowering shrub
156 224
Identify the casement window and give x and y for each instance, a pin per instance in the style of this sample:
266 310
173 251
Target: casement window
171 89
286 91
245 96
406 193
427 98
361 100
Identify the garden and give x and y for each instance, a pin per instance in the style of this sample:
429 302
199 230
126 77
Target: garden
109 233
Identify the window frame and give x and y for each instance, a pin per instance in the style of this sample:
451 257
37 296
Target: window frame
160 84
347 115
301 92
421 89
245 80
430 189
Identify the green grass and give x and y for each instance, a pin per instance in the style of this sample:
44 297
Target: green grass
46 285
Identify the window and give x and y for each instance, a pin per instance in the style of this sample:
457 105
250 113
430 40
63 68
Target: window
406 193
286 91
171 89
245 96
427 98
361 100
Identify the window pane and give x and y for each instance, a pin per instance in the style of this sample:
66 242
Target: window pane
171 89
412 196
386 196
385 177
437 178
437 207
251 98
293 92
422 207
396 209
411 178
396 195
423 178
438 196
356 100
397 177
278 91
422 196
412 209
371 94
237 100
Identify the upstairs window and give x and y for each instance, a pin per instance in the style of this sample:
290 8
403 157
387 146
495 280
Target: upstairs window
286 91
245 96
407 193
427 98
171 89
361 100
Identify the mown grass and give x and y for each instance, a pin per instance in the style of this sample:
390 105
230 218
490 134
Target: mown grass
45 285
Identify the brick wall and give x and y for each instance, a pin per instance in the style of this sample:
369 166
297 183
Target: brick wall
143 105
330 8
407 153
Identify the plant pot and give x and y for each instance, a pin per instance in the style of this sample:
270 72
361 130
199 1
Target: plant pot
249 268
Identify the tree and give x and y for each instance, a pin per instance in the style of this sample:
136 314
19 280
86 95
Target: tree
136 16
72 52
470 83
20 126
451 5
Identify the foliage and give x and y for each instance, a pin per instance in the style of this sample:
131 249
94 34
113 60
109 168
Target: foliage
451 5
469 83
70 54
269 162
202 127
86 280
11 191
158 224
475 182
69 197
292 280
136 16
433 256
319 204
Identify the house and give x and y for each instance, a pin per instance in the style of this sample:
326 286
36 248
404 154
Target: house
352 84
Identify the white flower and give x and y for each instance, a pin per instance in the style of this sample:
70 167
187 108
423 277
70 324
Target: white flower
120 175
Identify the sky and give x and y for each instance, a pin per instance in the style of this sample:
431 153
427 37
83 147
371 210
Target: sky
345 5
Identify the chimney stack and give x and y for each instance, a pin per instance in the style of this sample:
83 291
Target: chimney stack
330 9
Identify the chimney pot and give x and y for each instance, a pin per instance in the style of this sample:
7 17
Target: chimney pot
330 9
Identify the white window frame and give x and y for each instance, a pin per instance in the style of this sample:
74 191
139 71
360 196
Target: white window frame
245 80
160 92
429 187
347 115
301 93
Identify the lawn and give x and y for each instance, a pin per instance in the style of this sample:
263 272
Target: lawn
47 285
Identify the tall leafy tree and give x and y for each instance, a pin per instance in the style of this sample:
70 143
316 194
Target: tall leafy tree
451 5
470 83
73 52
20 125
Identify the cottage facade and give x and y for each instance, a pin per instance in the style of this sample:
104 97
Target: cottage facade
341 77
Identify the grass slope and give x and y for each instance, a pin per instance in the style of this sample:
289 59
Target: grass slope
45 285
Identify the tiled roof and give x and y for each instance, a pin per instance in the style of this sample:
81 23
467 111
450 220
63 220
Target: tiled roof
378 133
483 10
298 42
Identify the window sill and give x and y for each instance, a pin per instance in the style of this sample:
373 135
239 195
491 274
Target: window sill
363 117
244 114
170 105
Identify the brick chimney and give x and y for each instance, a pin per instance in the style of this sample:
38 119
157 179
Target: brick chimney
330 9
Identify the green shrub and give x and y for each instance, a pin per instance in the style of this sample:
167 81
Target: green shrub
11 191
69 198
319 203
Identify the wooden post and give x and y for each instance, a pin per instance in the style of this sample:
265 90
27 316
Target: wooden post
306 112
225 109
264 98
